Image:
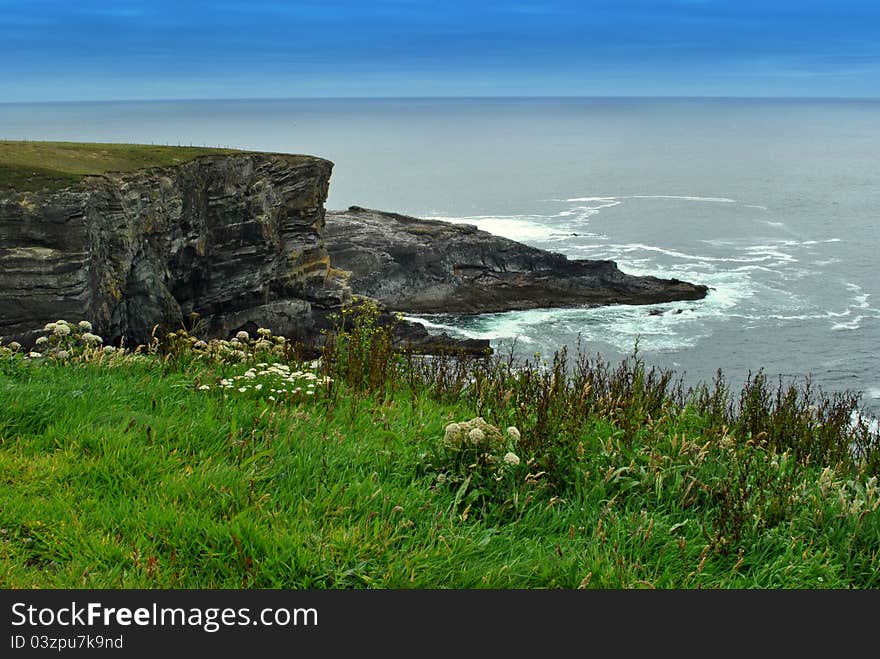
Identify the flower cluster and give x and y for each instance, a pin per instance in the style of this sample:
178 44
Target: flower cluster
273 381
63 341
481 464
68 342
484 438
11 348
239 348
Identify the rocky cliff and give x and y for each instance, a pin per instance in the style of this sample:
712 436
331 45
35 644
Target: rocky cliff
242 241
234 239
429 266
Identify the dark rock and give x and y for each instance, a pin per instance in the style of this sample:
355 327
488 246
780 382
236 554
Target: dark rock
430 266
232 239
415 338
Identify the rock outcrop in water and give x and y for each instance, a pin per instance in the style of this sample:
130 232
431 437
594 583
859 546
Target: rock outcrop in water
430 266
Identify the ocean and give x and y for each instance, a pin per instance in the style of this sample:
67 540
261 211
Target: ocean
773 204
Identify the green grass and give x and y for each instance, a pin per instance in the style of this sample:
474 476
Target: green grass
35 166
126 475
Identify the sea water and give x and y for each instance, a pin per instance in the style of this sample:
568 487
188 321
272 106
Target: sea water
773 204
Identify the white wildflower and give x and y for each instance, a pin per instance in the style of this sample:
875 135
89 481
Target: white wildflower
41 341
62 354
85 326
476 436
200 345
204 387
15 346
513 433
109 350
88 337
61 330
272 398
50 327
262 331
258 387
242 389
242 336
511 458
34 355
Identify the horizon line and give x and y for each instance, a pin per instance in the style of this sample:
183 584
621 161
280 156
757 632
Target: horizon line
442 97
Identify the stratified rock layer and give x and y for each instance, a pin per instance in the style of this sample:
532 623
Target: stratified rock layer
234 239
429 266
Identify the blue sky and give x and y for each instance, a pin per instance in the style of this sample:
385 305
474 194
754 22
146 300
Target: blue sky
132 49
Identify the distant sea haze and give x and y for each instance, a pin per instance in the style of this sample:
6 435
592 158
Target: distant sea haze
774 204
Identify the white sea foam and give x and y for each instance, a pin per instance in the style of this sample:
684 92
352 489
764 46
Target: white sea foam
586 211
755 254
494 327
615 325
871 423
717 200
854 324
746 280
516 227
584 199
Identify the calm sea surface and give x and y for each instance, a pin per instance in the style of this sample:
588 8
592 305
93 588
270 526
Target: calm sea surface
773 204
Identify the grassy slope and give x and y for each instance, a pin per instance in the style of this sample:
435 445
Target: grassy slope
129 477
33 166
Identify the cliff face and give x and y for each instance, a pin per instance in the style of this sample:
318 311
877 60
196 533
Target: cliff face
242 241
235 239
429 266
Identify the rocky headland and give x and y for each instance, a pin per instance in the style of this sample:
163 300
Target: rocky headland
430 266
242 240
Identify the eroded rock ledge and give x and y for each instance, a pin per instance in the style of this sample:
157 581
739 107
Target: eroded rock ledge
430 266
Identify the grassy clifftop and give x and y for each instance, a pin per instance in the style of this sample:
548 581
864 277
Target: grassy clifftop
33 166
236 464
